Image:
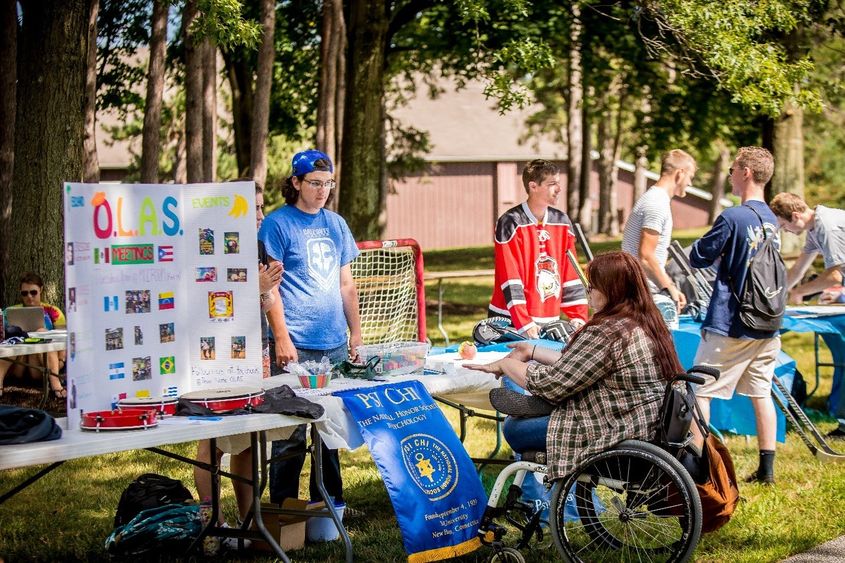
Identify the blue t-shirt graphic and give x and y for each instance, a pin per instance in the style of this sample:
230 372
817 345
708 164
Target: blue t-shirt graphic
735 238
313 248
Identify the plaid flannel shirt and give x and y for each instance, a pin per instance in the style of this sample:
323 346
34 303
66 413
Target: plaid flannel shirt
607 387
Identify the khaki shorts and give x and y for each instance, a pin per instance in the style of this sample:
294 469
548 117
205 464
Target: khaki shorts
746 365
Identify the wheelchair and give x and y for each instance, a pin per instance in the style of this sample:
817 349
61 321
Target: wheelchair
633 502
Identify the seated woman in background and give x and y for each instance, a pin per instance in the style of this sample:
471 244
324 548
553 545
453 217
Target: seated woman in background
31 286
607 384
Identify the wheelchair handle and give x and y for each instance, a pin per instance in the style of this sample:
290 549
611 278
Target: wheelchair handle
692 377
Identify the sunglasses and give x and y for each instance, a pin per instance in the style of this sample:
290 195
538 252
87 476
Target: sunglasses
31 293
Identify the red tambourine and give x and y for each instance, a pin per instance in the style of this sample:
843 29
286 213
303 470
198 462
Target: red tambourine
164 406
225 399
119 420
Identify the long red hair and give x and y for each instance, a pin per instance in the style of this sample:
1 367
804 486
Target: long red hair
620 277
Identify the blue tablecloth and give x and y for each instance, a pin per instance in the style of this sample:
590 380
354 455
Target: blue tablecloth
737 414
832 330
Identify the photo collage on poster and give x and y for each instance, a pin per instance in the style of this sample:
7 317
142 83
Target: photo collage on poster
221 302
156 278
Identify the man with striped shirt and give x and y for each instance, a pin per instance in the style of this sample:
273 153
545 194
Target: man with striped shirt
648 231
534 281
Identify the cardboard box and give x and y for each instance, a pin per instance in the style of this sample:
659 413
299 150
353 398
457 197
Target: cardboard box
288 530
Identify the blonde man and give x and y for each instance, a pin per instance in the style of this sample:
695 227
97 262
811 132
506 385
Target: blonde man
825 228
648 230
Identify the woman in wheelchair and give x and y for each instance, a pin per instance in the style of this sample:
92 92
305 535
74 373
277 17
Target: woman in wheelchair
607 385
603 395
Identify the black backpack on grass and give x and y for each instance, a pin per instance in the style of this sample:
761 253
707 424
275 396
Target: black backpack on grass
149 491
762 302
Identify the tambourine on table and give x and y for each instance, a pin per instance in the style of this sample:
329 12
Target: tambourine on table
119 420
164 406
225 399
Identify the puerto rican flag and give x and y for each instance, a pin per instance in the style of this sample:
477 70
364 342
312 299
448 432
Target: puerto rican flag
165 254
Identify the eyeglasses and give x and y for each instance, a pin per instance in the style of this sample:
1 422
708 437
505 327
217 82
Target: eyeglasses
317 184
31 293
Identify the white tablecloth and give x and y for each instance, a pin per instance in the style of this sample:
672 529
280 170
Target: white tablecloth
76 443
7 351
453 382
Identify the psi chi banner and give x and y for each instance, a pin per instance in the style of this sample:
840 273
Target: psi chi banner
435 490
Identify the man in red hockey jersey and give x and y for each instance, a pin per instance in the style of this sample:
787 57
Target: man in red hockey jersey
534 280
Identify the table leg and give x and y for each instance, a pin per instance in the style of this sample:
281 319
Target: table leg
317 471
259 462
12 492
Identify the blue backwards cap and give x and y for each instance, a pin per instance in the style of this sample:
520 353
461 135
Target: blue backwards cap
303 162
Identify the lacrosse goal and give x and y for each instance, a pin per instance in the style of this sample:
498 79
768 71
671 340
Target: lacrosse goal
389 277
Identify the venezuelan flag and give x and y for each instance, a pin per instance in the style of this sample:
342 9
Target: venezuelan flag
166 301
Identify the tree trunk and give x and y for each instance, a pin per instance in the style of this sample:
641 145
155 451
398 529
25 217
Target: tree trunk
263 83
180 166
363 149
340 67
608 147
332 73
155 92
640 169
91 161
193 96
8 77
788 150
720 176
209 111
585 211
574 127
53 51
240 83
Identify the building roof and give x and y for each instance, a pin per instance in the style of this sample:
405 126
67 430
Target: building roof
464 126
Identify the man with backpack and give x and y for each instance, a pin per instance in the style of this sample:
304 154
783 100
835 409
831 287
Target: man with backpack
739 335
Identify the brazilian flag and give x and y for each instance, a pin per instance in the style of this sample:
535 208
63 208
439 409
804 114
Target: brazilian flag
167 365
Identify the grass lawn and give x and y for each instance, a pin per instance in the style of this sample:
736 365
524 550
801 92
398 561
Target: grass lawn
68 514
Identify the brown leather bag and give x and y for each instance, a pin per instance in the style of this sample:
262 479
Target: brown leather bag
720 493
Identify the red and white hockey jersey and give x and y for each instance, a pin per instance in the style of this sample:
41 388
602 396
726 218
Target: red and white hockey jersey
534 279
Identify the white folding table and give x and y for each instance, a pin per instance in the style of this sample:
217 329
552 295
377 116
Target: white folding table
17 350
76 443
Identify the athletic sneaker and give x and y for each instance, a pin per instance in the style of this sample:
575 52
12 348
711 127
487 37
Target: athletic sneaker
231 544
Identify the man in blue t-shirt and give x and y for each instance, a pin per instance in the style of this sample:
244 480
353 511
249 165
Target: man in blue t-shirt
745 357
319 300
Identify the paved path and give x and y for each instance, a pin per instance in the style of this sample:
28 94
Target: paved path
830 552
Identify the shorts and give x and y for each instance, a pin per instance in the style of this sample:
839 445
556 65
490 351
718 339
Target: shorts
746 365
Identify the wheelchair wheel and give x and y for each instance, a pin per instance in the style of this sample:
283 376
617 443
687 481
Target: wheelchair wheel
507 555
634 502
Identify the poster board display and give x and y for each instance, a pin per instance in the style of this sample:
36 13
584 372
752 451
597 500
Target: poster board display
162 291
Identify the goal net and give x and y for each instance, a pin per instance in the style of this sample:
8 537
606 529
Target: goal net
389 277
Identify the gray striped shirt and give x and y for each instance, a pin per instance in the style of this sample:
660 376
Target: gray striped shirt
652 211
